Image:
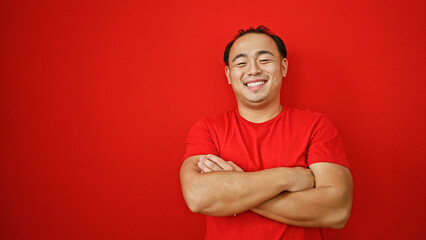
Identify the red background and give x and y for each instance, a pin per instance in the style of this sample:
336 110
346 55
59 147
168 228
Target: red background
96 99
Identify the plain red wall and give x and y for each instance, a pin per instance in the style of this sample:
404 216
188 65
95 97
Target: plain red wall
96 99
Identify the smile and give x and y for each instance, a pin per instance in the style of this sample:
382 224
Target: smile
255 85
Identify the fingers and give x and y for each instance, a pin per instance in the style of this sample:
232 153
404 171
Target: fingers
208 166
220 162
212 163
203 168
236 167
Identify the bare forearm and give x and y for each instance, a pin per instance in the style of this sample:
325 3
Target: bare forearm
226 193
216 187
316 207
327 205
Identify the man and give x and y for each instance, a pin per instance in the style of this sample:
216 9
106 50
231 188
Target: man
264 171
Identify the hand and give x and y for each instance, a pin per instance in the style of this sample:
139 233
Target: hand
212 163
301 179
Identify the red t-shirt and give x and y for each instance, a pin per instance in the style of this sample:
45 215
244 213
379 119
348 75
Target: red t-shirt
293 138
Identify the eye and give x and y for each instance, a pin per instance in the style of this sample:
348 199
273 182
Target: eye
265 61
241 64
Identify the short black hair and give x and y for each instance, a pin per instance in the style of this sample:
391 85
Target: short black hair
260 29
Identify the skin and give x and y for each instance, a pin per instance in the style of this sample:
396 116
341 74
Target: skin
216 187
320 196
256 57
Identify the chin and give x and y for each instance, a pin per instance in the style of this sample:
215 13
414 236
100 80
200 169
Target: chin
257 100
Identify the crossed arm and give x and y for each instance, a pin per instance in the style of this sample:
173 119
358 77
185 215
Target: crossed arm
216 187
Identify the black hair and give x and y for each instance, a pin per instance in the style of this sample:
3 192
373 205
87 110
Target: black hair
260 29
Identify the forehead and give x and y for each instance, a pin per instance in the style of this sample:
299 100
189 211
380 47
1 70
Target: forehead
252 43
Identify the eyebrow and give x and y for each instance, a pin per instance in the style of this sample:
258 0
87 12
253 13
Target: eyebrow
257 54
239 56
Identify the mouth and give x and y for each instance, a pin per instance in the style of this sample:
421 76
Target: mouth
255 85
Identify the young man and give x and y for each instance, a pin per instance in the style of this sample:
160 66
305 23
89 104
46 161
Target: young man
263 171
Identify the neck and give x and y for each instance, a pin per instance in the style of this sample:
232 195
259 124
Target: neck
259 114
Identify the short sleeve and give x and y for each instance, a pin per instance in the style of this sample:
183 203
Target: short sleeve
200 140
326 144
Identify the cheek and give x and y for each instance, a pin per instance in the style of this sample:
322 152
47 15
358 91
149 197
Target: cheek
273 68
236 74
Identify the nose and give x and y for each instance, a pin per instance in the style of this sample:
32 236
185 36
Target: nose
254 69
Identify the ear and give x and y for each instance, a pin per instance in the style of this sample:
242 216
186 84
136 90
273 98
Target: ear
284 67
228 74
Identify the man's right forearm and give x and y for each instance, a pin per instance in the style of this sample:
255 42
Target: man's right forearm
224 193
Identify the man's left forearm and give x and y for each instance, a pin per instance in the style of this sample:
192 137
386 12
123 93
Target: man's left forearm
328 205
307 208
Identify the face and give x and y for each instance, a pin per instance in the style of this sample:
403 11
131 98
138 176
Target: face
255 70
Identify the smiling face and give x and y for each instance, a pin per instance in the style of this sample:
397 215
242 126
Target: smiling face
255 70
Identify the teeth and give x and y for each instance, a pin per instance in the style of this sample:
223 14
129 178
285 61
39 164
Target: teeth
254 84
